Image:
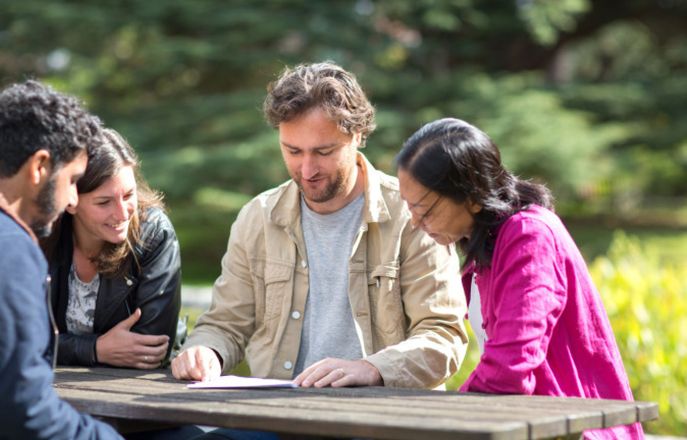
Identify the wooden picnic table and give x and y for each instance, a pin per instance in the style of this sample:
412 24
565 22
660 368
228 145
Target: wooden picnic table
133 398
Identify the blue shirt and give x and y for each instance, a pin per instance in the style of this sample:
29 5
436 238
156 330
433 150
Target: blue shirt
29 406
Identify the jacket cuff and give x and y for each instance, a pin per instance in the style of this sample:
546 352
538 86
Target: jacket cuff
209 342
390 369
77 350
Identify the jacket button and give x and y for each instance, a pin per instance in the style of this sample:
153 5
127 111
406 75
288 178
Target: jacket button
304 264
296 314
129 282
287 365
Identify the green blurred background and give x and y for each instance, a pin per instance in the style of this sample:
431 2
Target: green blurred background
589 97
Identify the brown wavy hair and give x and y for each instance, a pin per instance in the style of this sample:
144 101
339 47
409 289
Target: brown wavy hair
104 161
324 85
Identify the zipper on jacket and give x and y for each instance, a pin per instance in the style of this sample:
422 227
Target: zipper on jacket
53 323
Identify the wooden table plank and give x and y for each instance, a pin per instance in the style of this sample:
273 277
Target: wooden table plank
374 412
378 401
282 418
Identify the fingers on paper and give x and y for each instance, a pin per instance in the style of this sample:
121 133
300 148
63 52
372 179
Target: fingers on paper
208 363
339 373
335 377
321 373
196 363
183 364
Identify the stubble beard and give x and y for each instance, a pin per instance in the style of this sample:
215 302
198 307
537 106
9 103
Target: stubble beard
47 212
330 191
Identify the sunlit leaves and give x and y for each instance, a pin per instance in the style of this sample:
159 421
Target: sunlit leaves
644 296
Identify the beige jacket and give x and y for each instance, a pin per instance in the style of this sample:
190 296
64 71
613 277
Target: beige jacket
405 290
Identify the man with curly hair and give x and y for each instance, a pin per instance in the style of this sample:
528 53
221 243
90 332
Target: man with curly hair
43 142
324 280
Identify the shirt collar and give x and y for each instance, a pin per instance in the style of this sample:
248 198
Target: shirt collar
5 207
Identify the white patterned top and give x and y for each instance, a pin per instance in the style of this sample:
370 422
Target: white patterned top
81 303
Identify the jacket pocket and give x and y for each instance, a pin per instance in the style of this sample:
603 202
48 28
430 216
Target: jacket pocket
271 282
277 284
386 304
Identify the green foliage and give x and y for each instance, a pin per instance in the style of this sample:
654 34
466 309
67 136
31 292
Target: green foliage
546 19
582 95
645 299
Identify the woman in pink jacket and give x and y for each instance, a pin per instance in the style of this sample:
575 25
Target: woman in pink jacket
540 322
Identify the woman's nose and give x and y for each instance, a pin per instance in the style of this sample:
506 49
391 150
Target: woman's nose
122 210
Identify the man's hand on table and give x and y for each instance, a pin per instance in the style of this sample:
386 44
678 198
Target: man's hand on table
339 373
197 363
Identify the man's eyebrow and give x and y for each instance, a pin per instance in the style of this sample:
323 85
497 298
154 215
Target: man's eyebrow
319 147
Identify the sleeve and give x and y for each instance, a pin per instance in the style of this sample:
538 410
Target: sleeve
158 293
77 350
527 297
229 323
434 306
29 406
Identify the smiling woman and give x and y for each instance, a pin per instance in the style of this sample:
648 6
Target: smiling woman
115 267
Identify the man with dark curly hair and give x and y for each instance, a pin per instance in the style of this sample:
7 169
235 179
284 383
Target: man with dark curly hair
43 142
325 281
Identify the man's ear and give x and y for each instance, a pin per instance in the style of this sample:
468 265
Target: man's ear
39 166
357 139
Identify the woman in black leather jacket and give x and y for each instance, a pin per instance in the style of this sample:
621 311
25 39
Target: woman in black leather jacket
115 267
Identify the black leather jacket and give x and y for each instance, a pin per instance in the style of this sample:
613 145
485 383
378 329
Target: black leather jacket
155 287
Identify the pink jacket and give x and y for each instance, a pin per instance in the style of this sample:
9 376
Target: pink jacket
547 329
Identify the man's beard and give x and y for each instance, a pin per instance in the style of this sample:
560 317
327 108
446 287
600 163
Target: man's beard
47 212
329 192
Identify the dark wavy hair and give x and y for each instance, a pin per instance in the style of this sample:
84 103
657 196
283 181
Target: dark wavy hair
33 116
324 85
459 161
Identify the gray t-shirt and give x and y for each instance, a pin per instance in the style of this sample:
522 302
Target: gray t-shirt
329 329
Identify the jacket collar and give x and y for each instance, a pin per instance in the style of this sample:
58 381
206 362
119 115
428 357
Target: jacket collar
286 210
113 292
5 207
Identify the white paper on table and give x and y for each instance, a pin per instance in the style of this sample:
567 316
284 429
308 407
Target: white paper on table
231 381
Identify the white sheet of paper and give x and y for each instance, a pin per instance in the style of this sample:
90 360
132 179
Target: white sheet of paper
243 382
